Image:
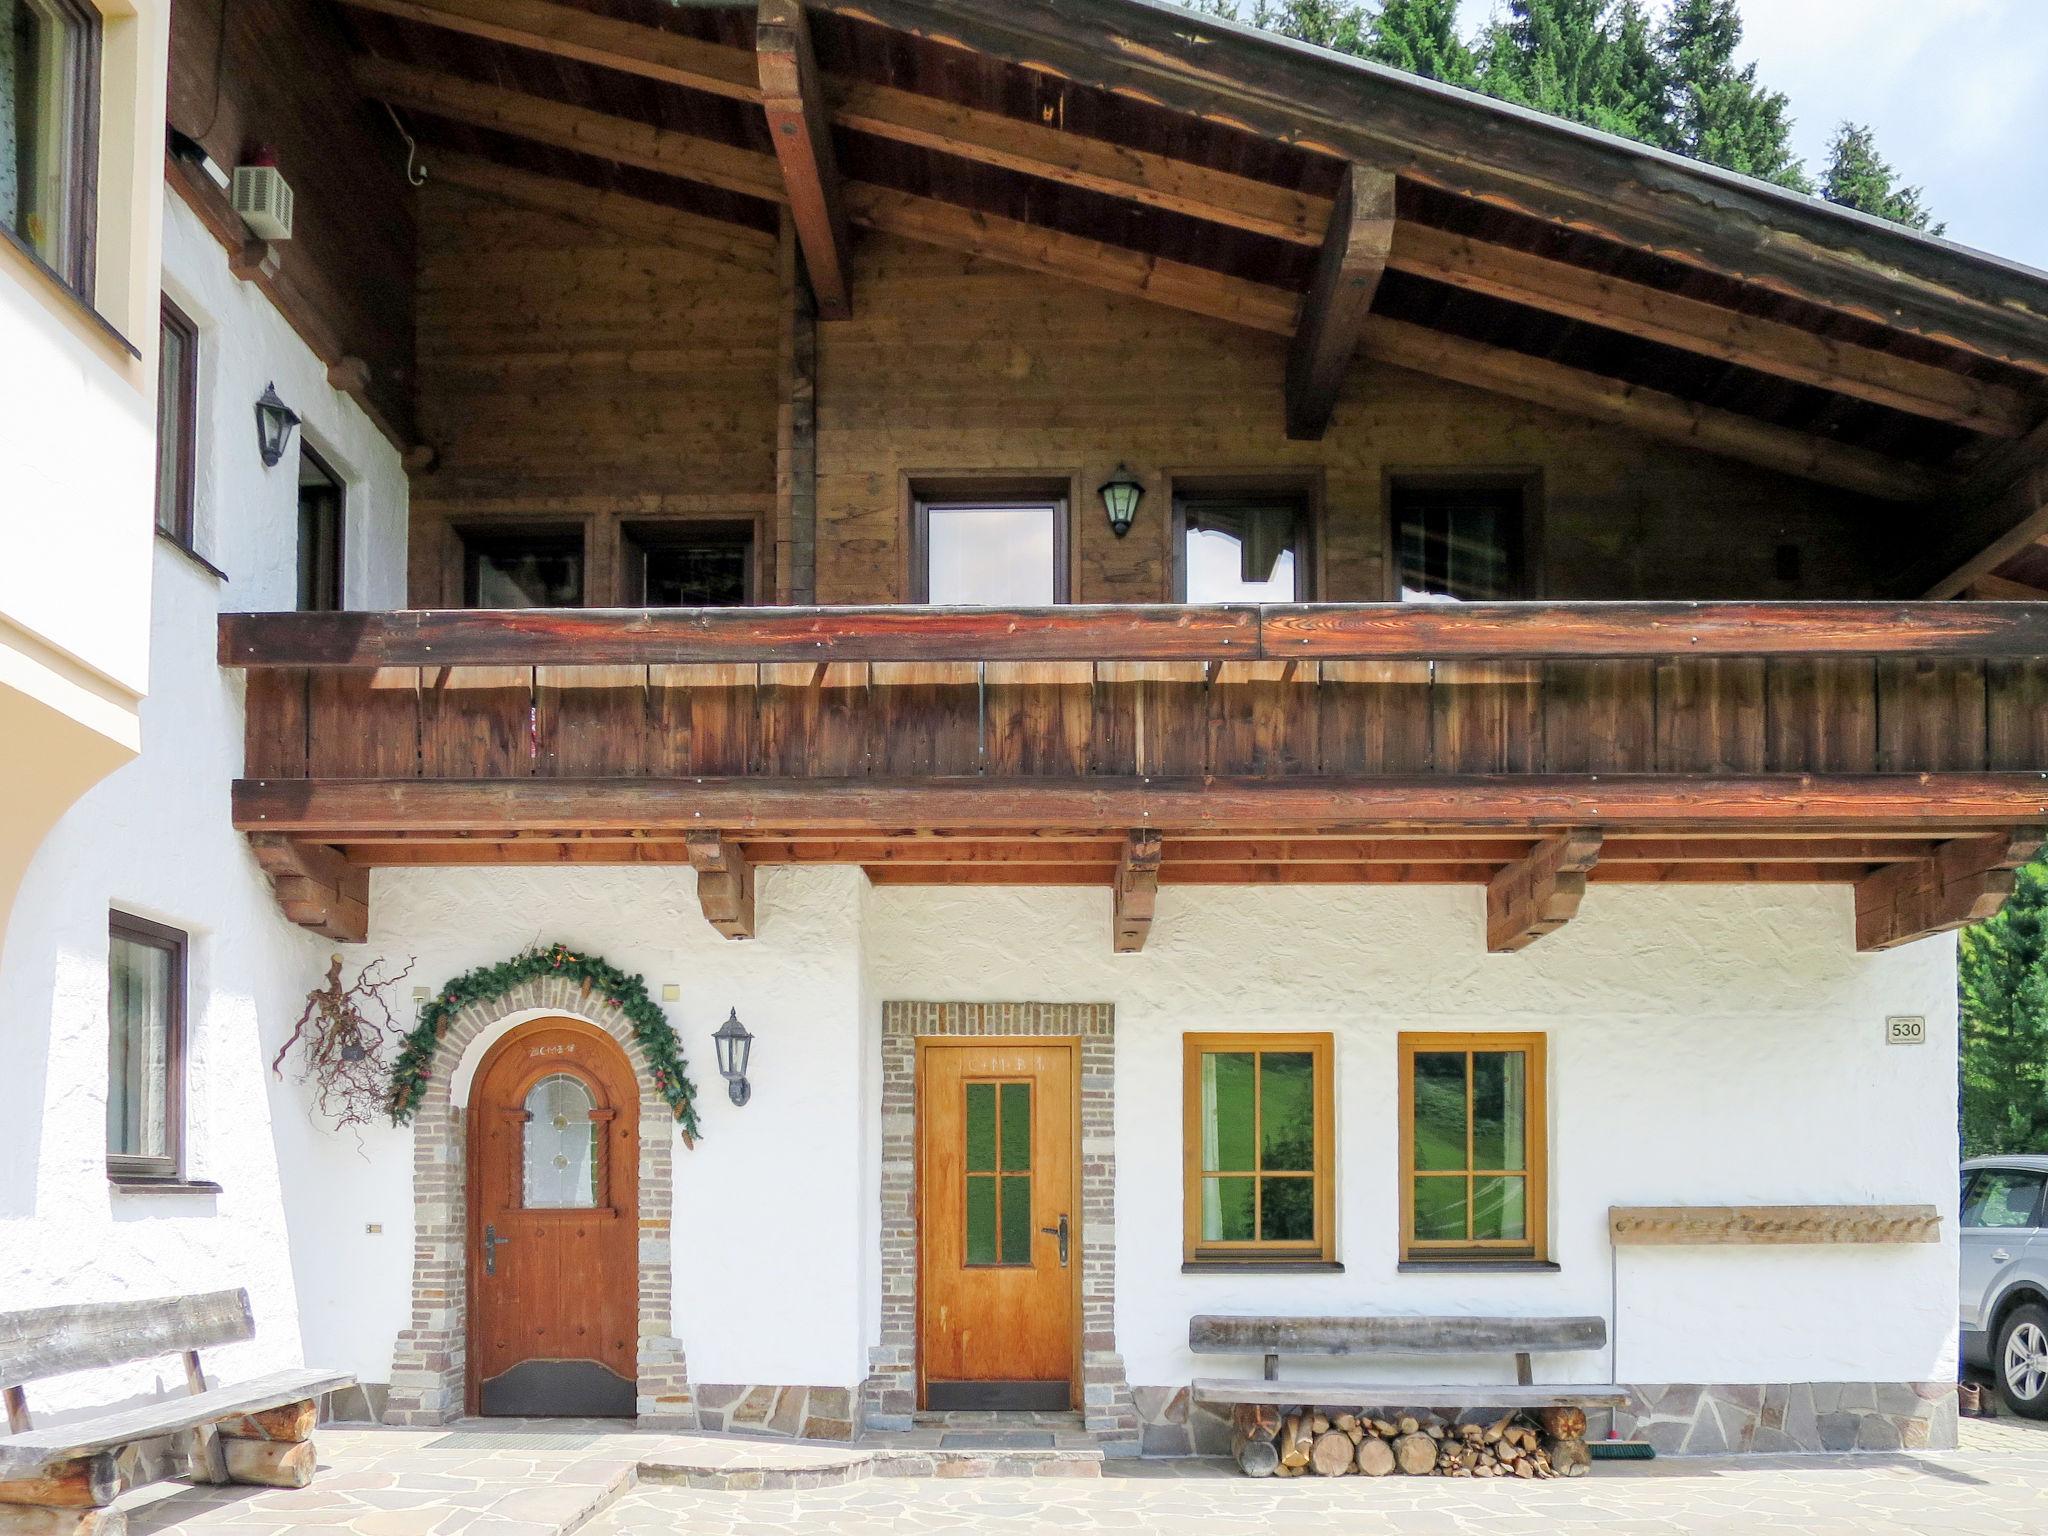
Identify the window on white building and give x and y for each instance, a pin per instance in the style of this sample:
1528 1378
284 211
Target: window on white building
49 69
145 1049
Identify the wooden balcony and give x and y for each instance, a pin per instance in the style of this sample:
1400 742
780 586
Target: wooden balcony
1526 747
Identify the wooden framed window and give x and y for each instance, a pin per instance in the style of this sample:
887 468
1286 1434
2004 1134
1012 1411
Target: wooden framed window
145 1049
323 514
1473 1143
688 563
540 567
177 397
996 1127
1462 538
1256 1145
1244 549
49 132
990 551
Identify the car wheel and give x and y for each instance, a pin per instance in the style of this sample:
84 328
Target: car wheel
2022 1360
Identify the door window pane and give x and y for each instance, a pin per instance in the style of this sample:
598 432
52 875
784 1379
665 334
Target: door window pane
992 556
2003 1197
560 1152
45 129
1244 553
997 1132
145 1048
981 1219
321 507
524 571
1459 543
1016 1214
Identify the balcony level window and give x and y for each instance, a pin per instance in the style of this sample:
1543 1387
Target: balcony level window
49 67
534 568
145 1049
1461 541
989 553
176 398
1245 551
694 564
322 511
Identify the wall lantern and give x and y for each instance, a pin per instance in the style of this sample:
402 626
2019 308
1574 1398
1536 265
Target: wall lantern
274 423
734 1046
1120 494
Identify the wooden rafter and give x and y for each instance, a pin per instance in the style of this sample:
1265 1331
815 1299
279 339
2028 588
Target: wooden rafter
1769 346
2002 507
2000 589
725 883
316 886
1136 889
793 99
1540 893
1966 881
1348 272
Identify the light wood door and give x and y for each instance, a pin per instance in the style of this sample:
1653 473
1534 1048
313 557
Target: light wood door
996 1185
553 1217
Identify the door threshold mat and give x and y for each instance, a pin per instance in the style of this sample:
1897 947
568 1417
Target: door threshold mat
994 1440
512 1440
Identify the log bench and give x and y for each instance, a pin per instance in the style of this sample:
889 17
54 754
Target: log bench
59 1481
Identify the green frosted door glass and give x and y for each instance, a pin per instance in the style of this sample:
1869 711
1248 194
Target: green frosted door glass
981 1219
1016 1245
1440 1109
1499 1107
1287 1110
1229 1210
1229 1080
1016 1148
981 1127
1440 1211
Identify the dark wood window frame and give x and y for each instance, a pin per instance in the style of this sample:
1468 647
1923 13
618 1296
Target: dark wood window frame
472 540
1247 486
923 493
1520 478
168 1169
76 265
313 456
184 387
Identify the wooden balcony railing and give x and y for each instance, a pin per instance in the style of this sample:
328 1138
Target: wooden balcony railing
1903 746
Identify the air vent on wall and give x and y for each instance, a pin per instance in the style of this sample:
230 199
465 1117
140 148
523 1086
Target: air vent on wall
264 200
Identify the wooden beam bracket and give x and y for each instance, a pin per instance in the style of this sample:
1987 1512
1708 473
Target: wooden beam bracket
725 883
1541 892
1354 258
1137 888
793 97
316 886
1967 881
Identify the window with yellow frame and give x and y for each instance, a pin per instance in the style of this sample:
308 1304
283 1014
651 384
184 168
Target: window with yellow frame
1473 1140
1256 1149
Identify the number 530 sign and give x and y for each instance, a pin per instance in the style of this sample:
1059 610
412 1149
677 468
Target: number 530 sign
1905 1029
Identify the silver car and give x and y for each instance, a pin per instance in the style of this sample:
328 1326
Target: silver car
2004 1295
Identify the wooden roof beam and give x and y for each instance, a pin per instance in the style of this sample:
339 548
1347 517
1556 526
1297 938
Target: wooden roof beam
1672 319
1348 272
1967 880
2002 507
793 98
316 886
725 883
1136 889
1540 892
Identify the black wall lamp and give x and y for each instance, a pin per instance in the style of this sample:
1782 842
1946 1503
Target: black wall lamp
274 423
734 1045
1120 494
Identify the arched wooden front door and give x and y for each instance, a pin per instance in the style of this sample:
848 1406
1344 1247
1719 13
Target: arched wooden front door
554 1199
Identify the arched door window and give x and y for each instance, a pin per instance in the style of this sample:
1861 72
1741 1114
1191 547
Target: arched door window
560 1154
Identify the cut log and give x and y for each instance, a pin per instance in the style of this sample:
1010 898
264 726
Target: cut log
1259 1420
27 1520
293 1422
1295 1441
269 1463
1415 1454
1568 1455
1375 1457
1333 1454
1256 1456
1408 1425
86 1483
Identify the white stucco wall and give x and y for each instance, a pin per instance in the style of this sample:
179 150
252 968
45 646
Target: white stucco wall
154 839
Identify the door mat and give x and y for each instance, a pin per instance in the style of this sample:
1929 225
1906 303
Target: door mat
511 1440
994 1440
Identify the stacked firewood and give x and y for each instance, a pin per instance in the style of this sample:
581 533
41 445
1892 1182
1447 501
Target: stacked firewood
1271 1441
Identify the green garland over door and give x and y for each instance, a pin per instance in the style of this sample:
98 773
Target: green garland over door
487 983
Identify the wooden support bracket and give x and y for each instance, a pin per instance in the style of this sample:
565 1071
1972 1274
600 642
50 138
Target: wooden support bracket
1348 272
316 886
725 884
1966 881
1541 891
1137 889
793 97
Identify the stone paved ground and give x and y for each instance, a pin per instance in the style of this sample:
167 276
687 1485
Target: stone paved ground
396 1483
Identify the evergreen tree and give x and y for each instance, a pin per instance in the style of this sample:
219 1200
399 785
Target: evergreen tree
1858 177
1421 36
1716 112
1593 61
2002 976
1338 24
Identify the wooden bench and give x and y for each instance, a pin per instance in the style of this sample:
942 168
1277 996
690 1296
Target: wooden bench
1521 1337
58 1481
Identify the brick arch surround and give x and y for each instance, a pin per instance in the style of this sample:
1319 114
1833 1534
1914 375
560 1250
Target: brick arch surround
428 1365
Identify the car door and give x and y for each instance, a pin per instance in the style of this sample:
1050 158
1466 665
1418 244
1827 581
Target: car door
2000 1217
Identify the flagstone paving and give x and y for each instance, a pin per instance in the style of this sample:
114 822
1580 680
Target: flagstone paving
600 1482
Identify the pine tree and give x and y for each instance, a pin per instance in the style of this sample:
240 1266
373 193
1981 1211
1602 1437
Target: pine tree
1716 112
1421 36
2002 982
1592 61
1858 177
1338 24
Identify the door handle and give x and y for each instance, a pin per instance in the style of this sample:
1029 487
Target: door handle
491 1241
1061 1232
2000 1256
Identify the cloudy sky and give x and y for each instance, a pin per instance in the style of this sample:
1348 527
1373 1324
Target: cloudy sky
1956 90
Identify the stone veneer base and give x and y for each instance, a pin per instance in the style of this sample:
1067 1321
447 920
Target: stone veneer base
1686 1419
799 1413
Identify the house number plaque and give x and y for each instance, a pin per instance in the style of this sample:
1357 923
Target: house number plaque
1905 1029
